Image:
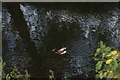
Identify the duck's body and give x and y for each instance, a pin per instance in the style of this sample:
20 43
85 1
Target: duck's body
60 51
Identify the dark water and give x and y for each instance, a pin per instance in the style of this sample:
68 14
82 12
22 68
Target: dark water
77 26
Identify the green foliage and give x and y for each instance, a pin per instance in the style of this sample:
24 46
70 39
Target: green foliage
118 35
15 74
1 68
65 78
51 76
108 62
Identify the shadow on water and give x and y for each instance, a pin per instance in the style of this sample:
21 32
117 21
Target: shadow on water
77 26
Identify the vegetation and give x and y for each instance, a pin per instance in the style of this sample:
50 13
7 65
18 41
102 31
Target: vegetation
108 62
118 36
52 76
15 74
1 68
107 66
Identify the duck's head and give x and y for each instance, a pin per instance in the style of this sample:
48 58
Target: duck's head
54 50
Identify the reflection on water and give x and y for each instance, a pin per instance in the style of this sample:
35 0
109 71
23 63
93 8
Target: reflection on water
51 28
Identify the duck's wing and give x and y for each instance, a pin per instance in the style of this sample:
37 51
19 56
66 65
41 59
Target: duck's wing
63 52
62 49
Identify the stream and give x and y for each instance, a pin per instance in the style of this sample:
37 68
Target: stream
55 25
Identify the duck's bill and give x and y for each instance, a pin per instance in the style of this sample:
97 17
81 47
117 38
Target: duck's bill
63 52
53 50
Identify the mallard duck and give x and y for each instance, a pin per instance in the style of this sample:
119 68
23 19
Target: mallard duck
60 51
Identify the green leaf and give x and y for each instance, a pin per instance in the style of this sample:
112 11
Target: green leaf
101 43
96 54
96 59
103 46
98 65
118 35
50 71
8 77
50 77
12 74
17 76
115 64
107 48
96 76
119 70
4 64
110 75
52 74
26 74
101 75
98 50
103 55
65 78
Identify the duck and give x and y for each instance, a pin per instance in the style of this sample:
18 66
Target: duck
60 51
